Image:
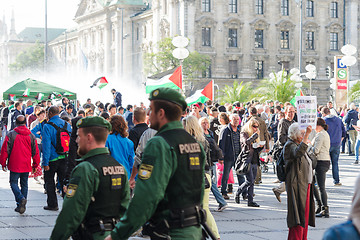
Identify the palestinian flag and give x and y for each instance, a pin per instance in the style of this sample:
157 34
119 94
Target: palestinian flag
68 94
196 97
298 93
152 84
208 90
39 96
100 82
57 94
26 93
176 77
12 97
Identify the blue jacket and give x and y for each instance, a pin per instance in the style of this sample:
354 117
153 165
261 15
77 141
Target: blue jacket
226 144
122 149
129 119
38 128
49 140
117 99
343 231
335 124
351 118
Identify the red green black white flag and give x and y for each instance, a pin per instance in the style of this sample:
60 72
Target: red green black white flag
26 93
101 82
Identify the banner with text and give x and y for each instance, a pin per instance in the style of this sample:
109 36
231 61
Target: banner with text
306 111
341 77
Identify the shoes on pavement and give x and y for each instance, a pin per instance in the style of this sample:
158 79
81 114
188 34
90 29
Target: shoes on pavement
226 197
277 194
22 206
253 204
51 208
351 154
237 199
221 208
356 162
342 152
338 184
17 209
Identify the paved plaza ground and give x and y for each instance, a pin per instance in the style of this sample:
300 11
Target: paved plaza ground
236 222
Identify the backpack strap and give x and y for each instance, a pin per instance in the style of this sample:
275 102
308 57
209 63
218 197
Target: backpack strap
57 130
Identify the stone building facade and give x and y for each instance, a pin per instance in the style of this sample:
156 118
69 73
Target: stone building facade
246 40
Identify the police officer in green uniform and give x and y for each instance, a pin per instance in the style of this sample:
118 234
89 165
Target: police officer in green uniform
170 185
98 192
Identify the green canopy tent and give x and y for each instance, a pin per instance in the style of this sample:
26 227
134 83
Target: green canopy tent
35 88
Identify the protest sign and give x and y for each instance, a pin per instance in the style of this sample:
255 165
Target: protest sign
306 111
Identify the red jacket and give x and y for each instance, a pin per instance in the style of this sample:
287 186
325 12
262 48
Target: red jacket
22 150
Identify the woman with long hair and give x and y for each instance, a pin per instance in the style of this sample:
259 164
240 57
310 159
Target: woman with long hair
250 153
120 147
193 127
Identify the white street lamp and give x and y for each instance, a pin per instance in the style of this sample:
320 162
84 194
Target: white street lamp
349 60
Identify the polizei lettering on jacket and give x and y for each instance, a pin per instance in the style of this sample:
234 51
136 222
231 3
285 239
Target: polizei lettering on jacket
189 148
113 170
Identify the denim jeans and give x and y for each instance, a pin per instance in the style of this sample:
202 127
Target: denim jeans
343 143
334 156
214 189
249 183
227 168
320 174
357 149
14 184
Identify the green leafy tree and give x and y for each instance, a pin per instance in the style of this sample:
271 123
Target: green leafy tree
354 93
237 92
30 59
163 60
281 88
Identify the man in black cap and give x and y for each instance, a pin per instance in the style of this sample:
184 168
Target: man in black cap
172 164
98 192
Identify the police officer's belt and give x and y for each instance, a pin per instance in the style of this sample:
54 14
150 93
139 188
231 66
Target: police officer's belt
103 225
186 217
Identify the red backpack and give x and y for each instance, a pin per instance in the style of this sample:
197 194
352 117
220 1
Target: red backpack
62 139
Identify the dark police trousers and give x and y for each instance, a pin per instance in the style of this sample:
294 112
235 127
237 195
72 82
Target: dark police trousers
58 167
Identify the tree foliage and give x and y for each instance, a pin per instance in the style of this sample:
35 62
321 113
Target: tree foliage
281 88
163 60
354 92
30 59
237 92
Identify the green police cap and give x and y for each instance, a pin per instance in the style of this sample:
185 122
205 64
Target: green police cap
93 122
170 95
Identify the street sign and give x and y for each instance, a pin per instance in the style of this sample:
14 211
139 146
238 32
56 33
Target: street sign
341 75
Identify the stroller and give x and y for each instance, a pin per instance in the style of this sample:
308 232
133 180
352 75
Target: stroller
265 161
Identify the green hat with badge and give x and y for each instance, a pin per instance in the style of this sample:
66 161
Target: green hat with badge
93 121
168 94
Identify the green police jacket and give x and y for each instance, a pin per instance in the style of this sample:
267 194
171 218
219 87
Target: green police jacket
93 182
157 170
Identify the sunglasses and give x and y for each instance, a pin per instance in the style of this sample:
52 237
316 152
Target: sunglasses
255 126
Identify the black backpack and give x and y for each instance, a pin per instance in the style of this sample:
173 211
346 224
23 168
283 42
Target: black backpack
278 156
62 139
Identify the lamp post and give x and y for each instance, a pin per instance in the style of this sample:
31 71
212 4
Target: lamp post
46 41
180 52
300 4
348 60
310 74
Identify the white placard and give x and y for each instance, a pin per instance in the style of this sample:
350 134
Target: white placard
306 111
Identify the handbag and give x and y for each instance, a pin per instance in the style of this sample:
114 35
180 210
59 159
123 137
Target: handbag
242 167
313 158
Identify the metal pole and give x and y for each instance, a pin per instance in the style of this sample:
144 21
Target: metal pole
65 49
122 42
301 35
46 41
310 86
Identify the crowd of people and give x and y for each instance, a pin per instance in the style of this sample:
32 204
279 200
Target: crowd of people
43 139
